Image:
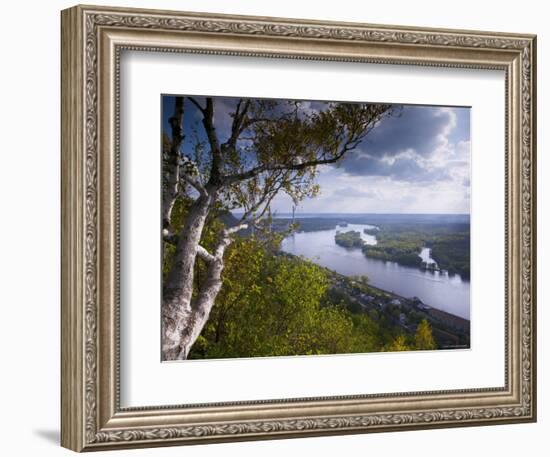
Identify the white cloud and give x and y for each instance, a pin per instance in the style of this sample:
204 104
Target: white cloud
434 181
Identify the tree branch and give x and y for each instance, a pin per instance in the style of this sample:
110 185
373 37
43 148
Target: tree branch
235 229
225 240
171 162
238 123
265 199
349 136
230 179
197 185
204 254
197 104
210 130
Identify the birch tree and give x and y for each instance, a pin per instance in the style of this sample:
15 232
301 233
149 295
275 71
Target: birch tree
270 147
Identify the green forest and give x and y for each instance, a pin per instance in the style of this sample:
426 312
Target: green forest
350 239
401 243
272 304
401 240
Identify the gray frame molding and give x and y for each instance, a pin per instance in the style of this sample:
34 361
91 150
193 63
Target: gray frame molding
92 40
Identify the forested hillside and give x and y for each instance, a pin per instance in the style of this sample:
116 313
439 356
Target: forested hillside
275 305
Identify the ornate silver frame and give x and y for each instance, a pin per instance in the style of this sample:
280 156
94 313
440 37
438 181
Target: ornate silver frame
92 40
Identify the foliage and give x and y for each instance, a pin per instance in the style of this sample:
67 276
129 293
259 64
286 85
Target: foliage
397 246
349 239
371 231
277 305
452 253
271 305
398 344
402 243
361 280
423 338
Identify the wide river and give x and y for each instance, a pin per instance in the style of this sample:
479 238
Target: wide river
437 289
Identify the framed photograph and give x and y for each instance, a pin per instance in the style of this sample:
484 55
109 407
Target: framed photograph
275 228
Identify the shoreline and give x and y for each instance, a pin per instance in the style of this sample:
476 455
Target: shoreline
449 330
404 299
440 314
448 231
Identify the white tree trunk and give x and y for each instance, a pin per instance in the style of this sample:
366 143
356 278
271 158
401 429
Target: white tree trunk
183 316
201 307
177 312
171 160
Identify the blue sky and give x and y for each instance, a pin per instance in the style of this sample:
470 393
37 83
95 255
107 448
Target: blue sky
415 161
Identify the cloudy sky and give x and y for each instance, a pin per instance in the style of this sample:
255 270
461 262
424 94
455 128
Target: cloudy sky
416 161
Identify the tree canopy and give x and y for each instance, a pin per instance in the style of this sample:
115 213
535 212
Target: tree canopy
271 304
268 147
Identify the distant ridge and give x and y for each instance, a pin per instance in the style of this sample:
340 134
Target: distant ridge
381 218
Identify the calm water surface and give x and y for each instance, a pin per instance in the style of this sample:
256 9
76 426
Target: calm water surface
437 289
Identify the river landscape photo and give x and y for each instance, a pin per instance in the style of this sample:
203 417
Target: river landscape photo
309 228
418 262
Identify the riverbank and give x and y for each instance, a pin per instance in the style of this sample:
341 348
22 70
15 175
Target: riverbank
399 237
450 331
435 288
397 311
